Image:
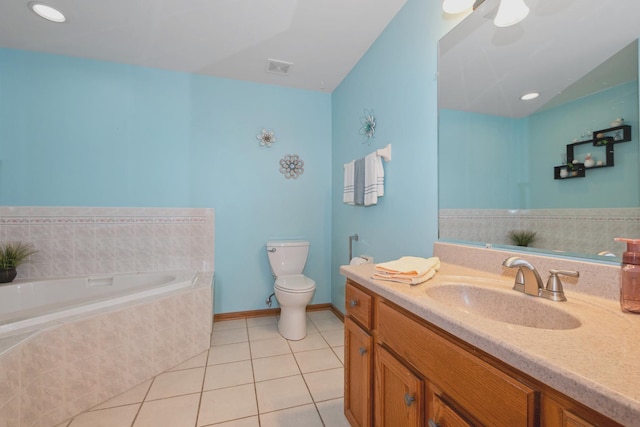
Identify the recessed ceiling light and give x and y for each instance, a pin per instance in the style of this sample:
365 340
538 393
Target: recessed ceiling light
47 12
529 96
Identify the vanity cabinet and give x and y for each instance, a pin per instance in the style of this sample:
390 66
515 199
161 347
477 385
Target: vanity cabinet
401 370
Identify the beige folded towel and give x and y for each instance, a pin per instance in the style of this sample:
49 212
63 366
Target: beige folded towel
411 270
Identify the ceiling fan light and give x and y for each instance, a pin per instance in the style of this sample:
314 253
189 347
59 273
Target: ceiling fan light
510 13
47 12
456 6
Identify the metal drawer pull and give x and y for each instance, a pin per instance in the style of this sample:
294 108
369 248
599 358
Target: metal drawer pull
433 423
408 399
362 351
353 303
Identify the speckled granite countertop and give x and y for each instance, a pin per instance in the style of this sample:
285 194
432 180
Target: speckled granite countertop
597 363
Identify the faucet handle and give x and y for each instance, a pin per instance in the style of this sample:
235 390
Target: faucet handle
553 290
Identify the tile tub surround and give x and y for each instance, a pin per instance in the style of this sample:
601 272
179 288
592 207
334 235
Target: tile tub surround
52 374
74 241
590 230
595 364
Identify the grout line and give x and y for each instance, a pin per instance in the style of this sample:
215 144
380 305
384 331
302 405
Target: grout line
206 366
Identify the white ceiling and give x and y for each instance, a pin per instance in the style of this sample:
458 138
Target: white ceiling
486 69
323 39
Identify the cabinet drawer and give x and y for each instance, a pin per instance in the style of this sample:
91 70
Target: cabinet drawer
488 394
359 305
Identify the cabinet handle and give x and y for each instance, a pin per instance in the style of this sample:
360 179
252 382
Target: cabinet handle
353 303
433 423
408 399
362 351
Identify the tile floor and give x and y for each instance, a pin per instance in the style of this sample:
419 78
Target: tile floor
250 377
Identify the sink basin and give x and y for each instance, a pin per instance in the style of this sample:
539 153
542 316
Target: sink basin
507 306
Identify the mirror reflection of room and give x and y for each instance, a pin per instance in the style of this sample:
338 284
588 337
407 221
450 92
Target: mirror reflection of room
504 166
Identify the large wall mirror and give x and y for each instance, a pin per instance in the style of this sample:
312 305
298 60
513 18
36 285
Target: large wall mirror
503 161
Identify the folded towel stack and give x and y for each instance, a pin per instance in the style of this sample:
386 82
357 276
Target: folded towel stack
408 269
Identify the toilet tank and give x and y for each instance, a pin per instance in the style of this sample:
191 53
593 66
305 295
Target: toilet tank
287 257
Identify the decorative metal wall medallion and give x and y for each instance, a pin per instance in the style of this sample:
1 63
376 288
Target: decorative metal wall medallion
368 128
266 137
291 166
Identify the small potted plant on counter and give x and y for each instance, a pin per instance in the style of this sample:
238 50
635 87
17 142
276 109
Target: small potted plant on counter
12 254
522 237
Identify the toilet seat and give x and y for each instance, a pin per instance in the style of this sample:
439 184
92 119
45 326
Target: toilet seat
295 283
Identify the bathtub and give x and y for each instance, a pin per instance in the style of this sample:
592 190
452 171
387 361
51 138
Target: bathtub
28 304
70 344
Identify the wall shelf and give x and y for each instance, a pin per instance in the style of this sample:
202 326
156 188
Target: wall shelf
603 138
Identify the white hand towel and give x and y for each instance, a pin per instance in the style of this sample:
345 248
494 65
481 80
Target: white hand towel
380 176
371 172
348 183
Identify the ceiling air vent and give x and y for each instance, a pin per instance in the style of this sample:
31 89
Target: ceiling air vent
278 67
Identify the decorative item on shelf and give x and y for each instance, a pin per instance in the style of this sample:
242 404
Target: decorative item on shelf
602 140
599 163
617 122
291 166
266 137
368 128
573 168
12 254
564 173
588 161
522 237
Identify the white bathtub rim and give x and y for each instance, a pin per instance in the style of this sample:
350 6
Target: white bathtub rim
13 338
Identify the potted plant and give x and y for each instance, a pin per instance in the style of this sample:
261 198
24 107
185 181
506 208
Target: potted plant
522 237
12 254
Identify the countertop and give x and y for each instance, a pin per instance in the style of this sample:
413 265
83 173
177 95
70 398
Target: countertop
597 364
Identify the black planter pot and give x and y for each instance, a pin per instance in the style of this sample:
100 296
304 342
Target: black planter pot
7 275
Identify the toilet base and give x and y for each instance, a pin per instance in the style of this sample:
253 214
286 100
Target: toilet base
292 324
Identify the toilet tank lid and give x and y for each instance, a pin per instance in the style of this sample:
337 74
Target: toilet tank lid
281 243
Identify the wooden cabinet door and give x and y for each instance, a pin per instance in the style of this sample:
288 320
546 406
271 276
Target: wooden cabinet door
399 396
358 374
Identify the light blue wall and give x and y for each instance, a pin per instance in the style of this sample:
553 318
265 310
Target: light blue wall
508 163
88 133
395 78
488 150
551 130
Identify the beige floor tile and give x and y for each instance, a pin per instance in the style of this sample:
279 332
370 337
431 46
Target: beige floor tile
224 325
269 347
228 375
227 404
306 416
122 416
339 351
330 324
180 411
229 353
133 395
325 385
282 393
268 368
334 338
321 315
317 360
332 413
244 422
229 336
311 328
195 362
261 321
263 332
310 342
176 383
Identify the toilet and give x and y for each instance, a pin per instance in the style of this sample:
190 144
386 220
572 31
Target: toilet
293 290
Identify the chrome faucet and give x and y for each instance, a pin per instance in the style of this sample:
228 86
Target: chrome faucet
527 278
